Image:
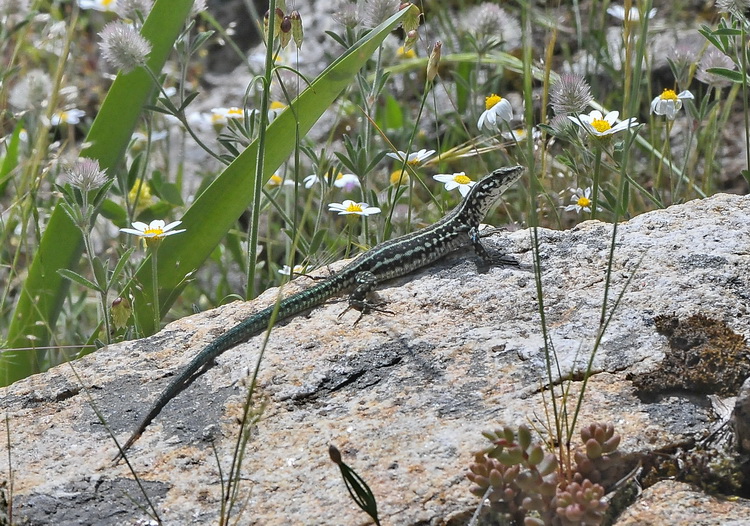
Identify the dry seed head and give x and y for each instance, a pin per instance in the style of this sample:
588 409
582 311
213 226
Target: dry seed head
131 8
86 175
570 94
713 58
297 30
375 12
123 47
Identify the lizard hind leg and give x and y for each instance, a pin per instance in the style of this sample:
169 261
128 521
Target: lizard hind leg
365 284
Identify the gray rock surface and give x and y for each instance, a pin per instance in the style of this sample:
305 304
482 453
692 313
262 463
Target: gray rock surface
405 396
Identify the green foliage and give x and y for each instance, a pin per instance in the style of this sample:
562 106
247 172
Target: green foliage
60 247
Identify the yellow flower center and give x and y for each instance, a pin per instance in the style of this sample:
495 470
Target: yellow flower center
461 179
106 3
601 125
155 231
668 94
353 207
274 180
584 202
276 105
399 178
491 101
401 53
234 112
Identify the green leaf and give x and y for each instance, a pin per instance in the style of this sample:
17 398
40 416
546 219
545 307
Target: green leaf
731 74
393 115
167 191
120 266
44 290
10 161
727 31
114 213
100 273
74 276
216 210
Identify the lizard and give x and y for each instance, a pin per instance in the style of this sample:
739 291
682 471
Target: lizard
390 259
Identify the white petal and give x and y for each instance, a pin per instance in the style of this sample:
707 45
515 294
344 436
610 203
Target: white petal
655 105
171 225
504 110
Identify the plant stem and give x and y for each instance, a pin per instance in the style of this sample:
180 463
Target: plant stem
155 287
597 171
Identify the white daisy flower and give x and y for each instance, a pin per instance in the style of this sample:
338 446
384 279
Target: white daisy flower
601 126
71 116
157 229
414 159
580 200
634 15
108 6
350 207
276 180
221 115
456 180
346 181
497 108
669 103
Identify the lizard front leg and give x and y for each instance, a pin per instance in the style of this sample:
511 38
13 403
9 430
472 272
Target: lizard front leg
487 258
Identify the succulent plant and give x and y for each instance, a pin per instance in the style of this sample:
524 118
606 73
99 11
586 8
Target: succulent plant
523 483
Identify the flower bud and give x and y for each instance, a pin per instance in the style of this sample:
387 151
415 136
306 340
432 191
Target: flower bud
411 20
285 31
410 40
434 61
121 311
297 31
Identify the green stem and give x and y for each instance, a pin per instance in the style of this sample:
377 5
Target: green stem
252 241
597 172
155 286
180 116
102 286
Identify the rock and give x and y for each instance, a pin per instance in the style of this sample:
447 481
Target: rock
741 418
406 396
679 504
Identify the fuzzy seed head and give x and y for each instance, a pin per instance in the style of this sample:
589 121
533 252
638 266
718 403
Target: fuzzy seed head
134 9
198 7
375 12
13 11
490 23
32 91
570 94
123 47
713 58
86 175
736 8
345 13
